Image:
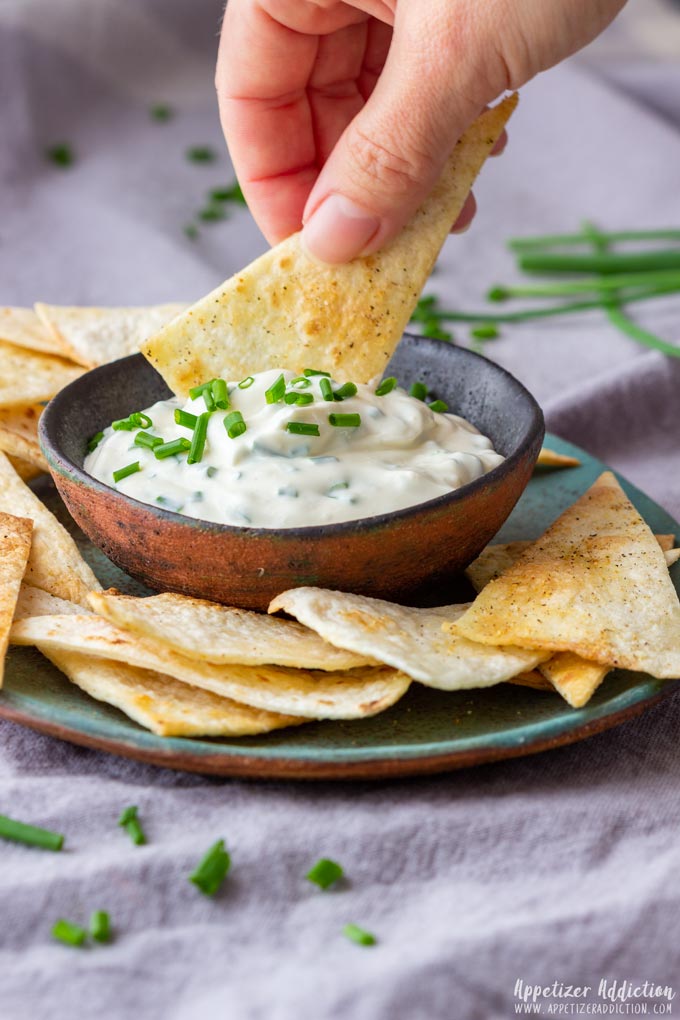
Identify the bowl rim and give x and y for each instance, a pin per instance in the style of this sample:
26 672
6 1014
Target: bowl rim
62 465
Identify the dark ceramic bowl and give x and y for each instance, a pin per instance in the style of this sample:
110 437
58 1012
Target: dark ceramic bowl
389 556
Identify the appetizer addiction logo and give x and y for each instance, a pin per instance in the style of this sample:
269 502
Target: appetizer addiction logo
610 997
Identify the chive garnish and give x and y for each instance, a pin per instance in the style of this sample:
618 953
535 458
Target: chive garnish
386 386
69 933
246 383
130 822
201 154
418 390
123 425
148 441
302 428
172 448
359 935
100 926
137 420
438 406
220 394
234 424
198 439
301 382
208 399
231 194
196 391
485 332
290 398
324 873
212 869
301 399
345 421
125 472
316 371
191 231
61 154
276 391
326 389
185 418
94 442
212 214
31 835
599 262
161 112
347 389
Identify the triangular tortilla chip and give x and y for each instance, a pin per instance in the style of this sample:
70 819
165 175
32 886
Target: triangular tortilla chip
19 433
548 458
36 602
27 377
22 327
15 546
163 705
26 472
573 677
411 640
532 679
287 311
221 634
596 584
55 563
347 694
95 336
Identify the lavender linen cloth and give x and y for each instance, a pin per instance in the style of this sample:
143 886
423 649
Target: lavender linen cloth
558 868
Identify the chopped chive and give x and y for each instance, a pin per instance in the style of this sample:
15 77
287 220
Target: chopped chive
198 439
302 428
208 399
290 398
172 448
246 383
69 933
141 420
234 424
211 471
148 441
326 389
125 472
276 391
438 406
201 154
324 873
161 112
485 332
231 194
432 329
197 391
347 389
316 371
337 488
185 418
130 822
94 442
302 399
220 394
100 926
345 421
386 386
212 869
359 935
123 425
301 382
191 231
418 390
31 835
212 214
61 154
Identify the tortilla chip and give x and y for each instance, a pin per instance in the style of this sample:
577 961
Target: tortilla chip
36 602
15 547
574 678
532 679
95 336
23 328
27 377
671 556
411 640
27 472
287 311
163 705
348 694
548 458
596 584
221 634
55 564
19 434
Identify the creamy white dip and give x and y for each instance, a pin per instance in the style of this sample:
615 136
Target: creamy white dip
403 453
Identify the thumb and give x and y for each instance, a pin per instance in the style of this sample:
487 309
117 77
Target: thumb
390 156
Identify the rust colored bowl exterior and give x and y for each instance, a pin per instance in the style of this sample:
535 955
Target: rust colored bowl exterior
388 556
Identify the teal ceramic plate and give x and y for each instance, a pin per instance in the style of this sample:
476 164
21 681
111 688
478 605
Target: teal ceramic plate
427 731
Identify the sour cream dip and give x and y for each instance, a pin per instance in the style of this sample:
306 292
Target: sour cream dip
397 452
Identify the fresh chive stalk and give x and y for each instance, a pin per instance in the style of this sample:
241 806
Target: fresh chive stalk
130 822
197 391
94 442
302 428
359 935
598 262
172 448
301 382
276 391
212 869
125 472
315 371
386 386
198 439
185 418
345 391
587 285
220 394
31 835
69 933
487 331
100 926
520 244
234 424
147 441
345 421
326 389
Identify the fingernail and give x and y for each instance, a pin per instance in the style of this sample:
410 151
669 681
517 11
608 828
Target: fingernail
338 230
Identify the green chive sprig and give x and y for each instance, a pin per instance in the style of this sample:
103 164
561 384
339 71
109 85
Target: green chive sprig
316 371
439 406
31 835
418 390
172 448
234 424
130 822
69 933
276 391
386 386
302 428
345 391
326 389
147 441
220 395
246 383
94 442
185 418
359 935
212 869
198 439
125 472
345 421
100 926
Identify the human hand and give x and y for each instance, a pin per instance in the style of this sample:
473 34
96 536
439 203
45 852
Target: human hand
341 115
